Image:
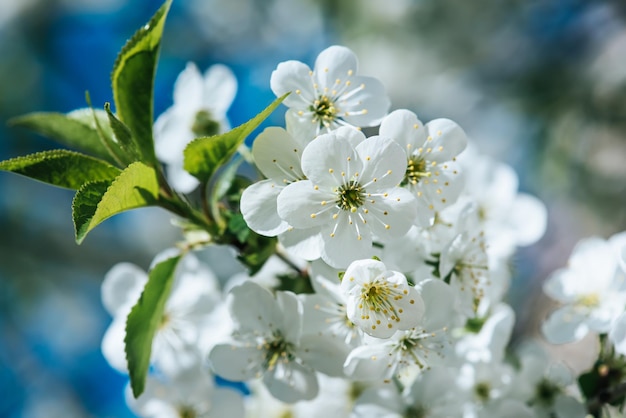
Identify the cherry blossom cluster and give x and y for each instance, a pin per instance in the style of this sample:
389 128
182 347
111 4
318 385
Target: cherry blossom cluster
406 239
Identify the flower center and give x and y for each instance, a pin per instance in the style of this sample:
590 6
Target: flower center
376 296
204 125
277 350
546 391
186 412
591 300
350 196
482 391
415 411
415 170
324 111
165 320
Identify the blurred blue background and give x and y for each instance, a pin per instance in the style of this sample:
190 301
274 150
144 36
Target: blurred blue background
538 84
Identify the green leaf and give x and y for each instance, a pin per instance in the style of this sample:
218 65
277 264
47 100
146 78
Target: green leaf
61 168
203 156
132 81
76 129
124 137
137 186
144 321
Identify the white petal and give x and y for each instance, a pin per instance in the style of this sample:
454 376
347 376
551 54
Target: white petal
383 160
188 90
558 287
253 308
324 354
291 313
113 344
564 325
367 106
335 62
172 356
259 208
237 362
437 297
277 155
227 402
300 128
528 218
180 179
617 335
369 362
220 87
172 132
405 128
122 286
324 160
393 214
290 382
301 206
360 272
293 76
347 243
379 403
303 243
449 186
448 139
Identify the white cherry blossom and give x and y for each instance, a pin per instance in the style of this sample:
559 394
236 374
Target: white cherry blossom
199 109
431 395
190 394
268 343
464 262
408 351
592 290
432 173
350 194
380 301
325 311
509 218
332 94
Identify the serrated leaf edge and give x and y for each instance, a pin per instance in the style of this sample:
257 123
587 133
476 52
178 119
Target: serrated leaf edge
166 293
139 35
79 240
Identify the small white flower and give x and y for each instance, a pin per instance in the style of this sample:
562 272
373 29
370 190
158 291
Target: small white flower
331 95
509 218
191 394
268 343
380 301
199 109
432 173
464 261
490 342
350 194
325 311
592 290
543 384
431 395
486 385
333 400
407 352
188 311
